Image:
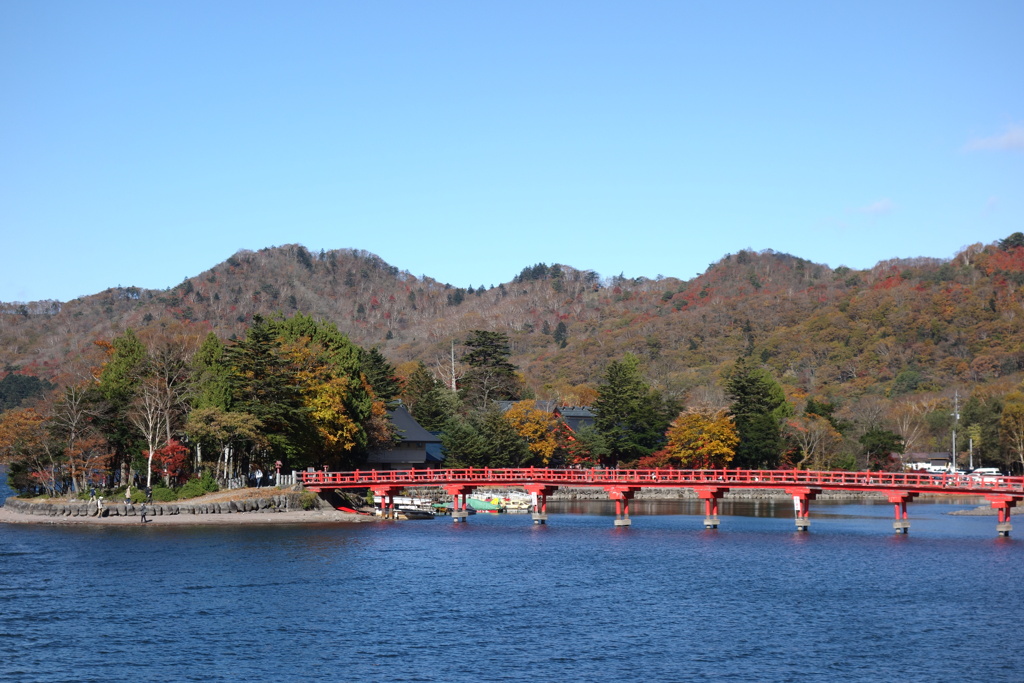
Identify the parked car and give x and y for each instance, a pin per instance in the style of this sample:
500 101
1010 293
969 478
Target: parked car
986 474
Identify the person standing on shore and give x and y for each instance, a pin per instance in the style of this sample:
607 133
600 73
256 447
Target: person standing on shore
128 495
142 513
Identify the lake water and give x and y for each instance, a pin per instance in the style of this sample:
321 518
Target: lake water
499 599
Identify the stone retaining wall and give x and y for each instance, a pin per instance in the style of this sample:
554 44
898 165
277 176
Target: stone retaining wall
672 494
84 508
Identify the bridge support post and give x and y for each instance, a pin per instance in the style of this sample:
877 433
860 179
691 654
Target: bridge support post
387 500
621 495
539 493
899 500
710 495
458 492
802 497
1003 504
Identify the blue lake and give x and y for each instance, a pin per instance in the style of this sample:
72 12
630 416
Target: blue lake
499 599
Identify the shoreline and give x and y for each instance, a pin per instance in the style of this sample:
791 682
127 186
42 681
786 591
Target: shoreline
226 508
276 507
8 516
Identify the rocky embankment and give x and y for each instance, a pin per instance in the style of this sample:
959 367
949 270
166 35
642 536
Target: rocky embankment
282 502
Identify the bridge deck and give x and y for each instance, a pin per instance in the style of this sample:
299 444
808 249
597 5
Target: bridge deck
947 484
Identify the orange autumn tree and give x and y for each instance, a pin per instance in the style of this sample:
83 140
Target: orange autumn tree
701 439
24 438
537 426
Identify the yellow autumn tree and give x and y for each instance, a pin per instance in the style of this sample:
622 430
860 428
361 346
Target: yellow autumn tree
702 439
536 426
325 396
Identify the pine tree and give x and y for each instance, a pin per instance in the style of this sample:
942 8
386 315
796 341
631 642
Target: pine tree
631 416
503 446
212 375
418 385
435 408
759 405
263 386
462 443
491 376
380 373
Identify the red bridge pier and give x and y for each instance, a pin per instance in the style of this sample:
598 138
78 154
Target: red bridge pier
1003 504
710 495
539 493
458 492
621 495
802 497
899 500
387 500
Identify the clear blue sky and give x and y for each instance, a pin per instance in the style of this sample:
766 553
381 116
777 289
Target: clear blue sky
143 142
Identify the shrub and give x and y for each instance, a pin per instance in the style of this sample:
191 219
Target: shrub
308 500
163 494
197 487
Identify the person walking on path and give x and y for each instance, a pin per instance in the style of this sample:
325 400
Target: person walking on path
142 513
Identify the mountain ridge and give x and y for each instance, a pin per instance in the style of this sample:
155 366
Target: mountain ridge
823 331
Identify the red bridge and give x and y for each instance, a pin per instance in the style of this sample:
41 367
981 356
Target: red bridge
621 485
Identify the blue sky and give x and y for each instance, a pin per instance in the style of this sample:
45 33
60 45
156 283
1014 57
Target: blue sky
142 143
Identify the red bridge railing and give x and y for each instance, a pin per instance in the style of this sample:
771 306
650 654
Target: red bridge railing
750 479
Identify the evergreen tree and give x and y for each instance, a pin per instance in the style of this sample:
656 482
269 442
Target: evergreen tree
491 376
263 386
1012 242
14 389
879 445
118 382
212 375
380 374
503 446
826 410
463 445
418 385
561 335
759 406
631 416
436 408
586 448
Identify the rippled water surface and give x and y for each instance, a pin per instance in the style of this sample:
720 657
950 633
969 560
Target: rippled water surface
501 599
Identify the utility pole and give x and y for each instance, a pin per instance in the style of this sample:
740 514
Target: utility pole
956 420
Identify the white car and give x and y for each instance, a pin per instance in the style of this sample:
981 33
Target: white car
986 474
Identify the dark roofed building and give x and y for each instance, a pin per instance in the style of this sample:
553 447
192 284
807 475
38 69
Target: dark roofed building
576 417
416 448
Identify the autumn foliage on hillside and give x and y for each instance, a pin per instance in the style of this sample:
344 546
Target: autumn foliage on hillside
906 331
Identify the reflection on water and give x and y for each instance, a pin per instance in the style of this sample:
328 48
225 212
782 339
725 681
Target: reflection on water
757 507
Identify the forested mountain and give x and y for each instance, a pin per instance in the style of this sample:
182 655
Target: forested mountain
904 325
905 328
